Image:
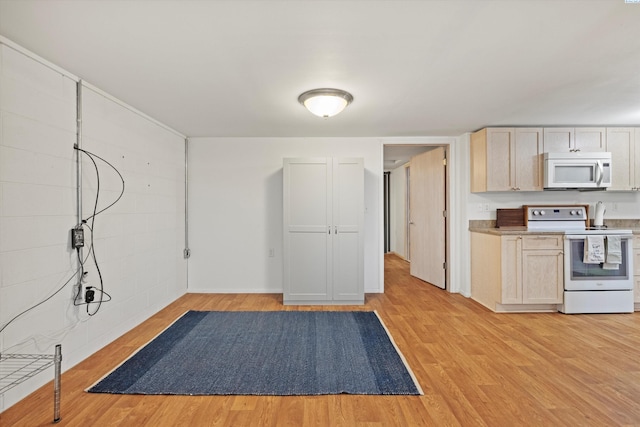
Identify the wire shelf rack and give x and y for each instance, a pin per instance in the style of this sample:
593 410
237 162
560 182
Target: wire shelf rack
17 368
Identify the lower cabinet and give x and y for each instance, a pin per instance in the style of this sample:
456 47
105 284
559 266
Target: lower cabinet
517 272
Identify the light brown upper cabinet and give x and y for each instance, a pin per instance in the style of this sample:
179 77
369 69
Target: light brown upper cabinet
563 140
621 142
506 159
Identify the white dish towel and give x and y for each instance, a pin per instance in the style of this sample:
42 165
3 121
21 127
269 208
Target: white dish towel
594 252
614 253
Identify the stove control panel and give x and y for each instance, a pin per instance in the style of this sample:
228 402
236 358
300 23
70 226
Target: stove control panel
556 213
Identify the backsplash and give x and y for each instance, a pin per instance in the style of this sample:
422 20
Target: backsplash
620 223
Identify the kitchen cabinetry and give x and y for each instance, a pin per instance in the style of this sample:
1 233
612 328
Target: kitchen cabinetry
625 158
506 159
517 272
562 140
323 231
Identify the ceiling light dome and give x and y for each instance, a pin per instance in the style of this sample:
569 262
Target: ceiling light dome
325 102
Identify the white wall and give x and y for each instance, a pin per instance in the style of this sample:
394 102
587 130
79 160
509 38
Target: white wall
138 242
620 205
235 209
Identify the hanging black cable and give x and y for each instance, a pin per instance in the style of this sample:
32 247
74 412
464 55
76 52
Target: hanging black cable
41 302
91 156
92 217
91 251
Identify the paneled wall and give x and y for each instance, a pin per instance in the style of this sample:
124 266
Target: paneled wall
138 242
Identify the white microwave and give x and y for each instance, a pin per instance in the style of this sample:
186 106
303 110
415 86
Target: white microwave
576 170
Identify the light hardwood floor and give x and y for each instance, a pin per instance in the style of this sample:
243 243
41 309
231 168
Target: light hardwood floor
476 368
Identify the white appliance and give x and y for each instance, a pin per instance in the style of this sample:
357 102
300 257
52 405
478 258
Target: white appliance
576 170
591 286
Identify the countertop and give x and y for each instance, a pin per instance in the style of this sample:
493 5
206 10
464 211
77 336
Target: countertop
506 231
489 227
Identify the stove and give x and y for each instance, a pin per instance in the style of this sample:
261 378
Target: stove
602 280
557 218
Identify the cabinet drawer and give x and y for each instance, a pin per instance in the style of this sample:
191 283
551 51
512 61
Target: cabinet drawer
542 242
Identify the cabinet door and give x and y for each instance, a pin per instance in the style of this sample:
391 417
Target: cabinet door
562 140
307 218
621 144
478 161
558 140
348 243
527 159
590 139
499 154
511 270
542 276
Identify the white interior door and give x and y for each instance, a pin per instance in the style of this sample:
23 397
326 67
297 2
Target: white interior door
427 226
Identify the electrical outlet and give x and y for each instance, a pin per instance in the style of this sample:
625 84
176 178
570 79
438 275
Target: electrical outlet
89 295
486 207
86 293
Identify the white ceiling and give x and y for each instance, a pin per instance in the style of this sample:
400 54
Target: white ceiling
415 68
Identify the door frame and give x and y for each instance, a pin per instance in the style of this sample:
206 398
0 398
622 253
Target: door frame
454 216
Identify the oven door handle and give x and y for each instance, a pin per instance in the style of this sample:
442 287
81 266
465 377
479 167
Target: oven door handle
584 236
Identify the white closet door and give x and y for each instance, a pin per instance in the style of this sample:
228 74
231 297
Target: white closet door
307 218
348 243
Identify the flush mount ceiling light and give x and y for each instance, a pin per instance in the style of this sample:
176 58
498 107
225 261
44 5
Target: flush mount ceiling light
325 102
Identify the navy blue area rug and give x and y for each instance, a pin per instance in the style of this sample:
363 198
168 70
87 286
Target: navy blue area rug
266 353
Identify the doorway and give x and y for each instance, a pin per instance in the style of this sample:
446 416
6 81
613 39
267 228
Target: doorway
418 234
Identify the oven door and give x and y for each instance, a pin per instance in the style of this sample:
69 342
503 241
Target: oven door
579 276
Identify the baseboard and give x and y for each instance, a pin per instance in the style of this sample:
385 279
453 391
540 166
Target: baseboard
233 291
526 308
